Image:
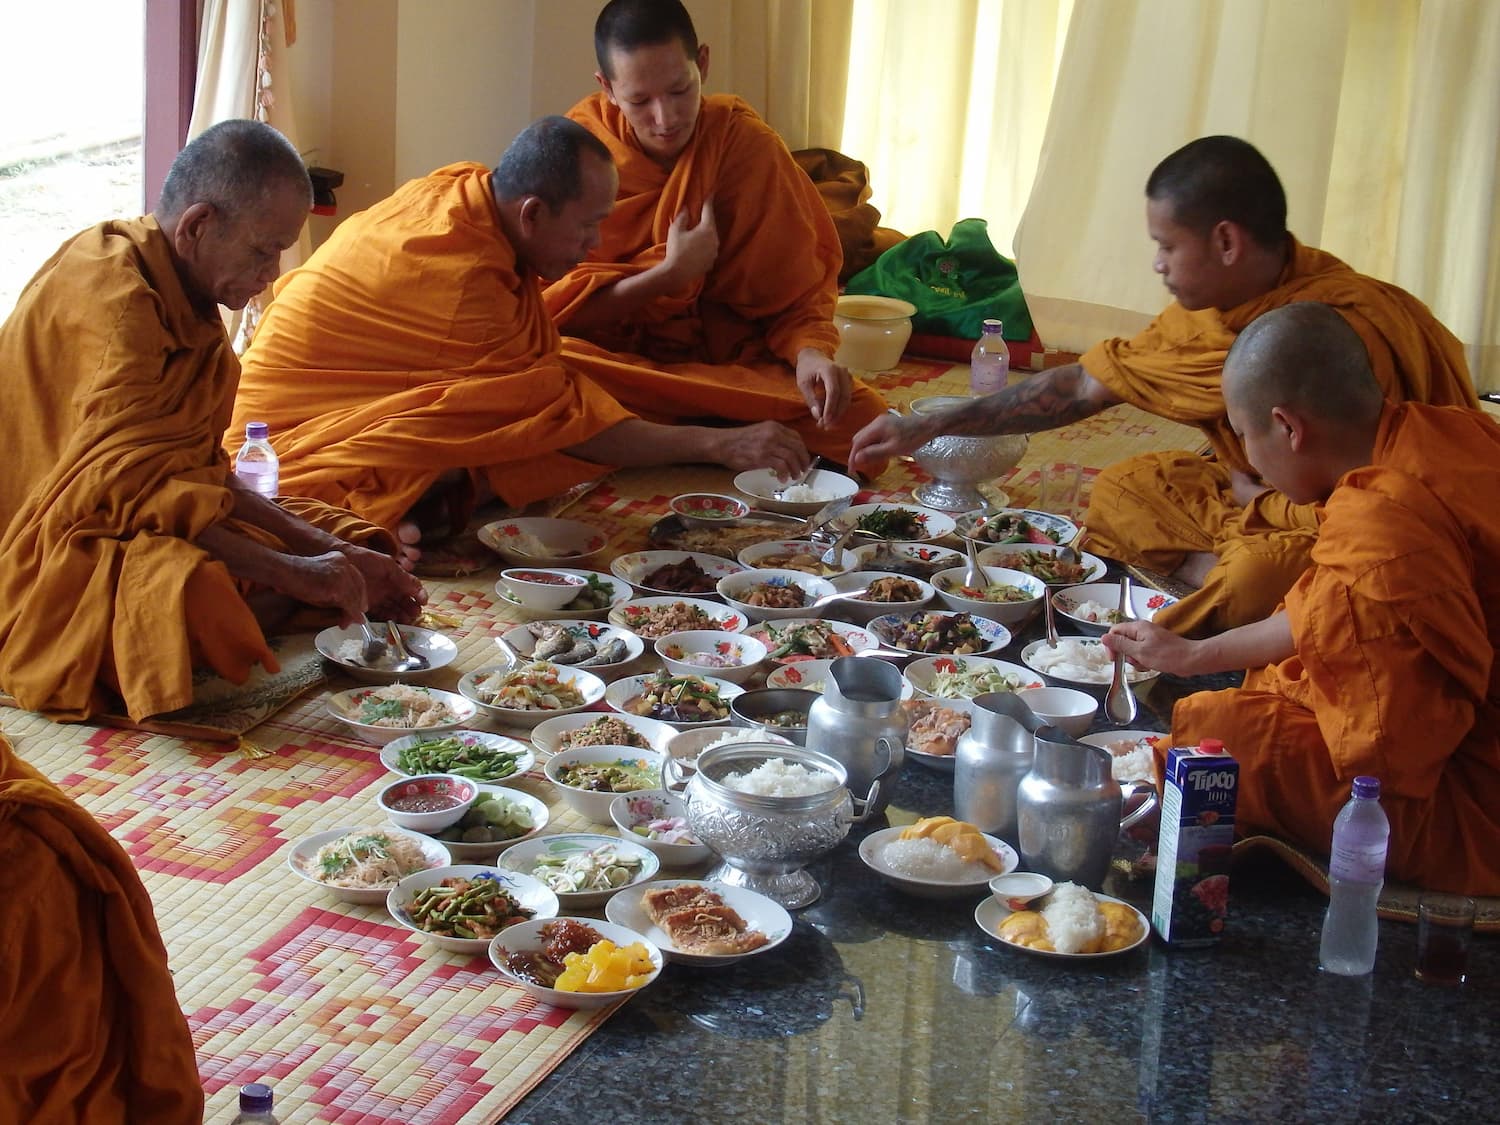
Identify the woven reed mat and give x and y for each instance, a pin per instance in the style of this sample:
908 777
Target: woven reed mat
350 1017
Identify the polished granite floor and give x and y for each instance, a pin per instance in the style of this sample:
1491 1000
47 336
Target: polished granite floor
885 1008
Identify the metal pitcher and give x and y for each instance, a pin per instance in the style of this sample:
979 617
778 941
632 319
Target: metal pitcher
858 722
991 758
1069 806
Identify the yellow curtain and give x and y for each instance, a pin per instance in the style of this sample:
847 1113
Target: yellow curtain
790 60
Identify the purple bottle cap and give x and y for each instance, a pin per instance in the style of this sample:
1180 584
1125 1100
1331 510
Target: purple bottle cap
256 1097
1367 787
256 431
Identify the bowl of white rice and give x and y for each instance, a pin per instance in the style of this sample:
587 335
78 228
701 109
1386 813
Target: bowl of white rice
1081 662
821 486
928 869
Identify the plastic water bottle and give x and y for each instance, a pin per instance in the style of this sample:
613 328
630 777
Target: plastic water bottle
256 464
989 363
1356 872
255 1102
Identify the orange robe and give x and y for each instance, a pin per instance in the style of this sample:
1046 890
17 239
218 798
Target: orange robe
1153 510
1396 624
409 345
727 347
117 391
90 1029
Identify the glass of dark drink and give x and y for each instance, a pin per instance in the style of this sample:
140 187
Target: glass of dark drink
1445 927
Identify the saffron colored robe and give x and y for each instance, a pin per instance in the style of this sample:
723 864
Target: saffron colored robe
410 344
117 391
727 347
1396 624
1153 510
90 1029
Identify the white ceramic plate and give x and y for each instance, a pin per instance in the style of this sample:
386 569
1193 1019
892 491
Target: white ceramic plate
811 675
1143 600
304 851
942 763
769 633
990 913
523 638
486 852
622 691
760 485
921 673
635 567
588 685
759 913
763 556
1058 529
929 558
524 857
1011 556
344 706
936 524
884 628
539 541
1106 739
621 593
525 937
870 852
529 893
439 650
546 736
736 587
633 615
1136 677
390 753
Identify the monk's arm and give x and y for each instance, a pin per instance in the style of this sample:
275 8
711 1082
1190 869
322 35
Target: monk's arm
1250 646
1045 401
330 579
636 442
299 536
689 255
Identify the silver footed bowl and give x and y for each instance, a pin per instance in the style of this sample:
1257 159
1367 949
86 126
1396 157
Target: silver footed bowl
765 842
959 463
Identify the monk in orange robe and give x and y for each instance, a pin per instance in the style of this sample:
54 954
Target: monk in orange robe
1218 215
130 553
1382 660
90 1029
412 356
712 290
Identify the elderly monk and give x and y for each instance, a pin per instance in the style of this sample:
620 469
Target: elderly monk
90 1029
411 367
1382 660
130 553
711 292
1217 213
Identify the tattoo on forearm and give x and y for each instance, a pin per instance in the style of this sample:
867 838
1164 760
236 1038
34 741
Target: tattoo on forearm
1041 402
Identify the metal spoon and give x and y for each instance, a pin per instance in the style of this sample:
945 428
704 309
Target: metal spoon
512 657
974 577
1071 553
800 478
827 599
835 553
1051 620
372 653
407 661
1119 701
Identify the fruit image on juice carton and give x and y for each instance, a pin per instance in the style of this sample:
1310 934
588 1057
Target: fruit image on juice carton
1191 902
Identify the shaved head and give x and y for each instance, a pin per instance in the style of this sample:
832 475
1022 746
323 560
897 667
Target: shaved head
627 25
238 166
1216 178
1306 358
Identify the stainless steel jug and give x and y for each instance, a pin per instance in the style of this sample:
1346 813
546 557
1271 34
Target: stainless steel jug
991 758
859 723
1068 807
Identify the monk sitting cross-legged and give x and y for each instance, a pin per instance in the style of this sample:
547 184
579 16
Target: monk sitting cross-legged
129 552
1382 660
411 356
712 290
1217 212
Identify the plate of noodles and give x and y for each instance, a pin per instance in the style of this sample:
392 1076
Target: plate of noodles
363 864
384 714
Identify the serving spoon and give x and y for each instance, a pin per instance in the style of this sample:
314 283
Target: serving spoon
407 661
1119 701
372 652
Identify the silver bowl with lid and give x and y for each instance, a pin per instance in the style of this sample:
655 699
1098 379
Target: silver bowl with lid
764 842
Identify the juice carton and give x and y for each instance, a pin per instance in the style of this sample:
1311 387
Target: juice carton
1197 836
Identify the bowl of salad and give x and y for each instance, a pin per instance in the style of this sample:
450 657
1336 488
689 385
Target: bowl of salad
683 701
657 820
1006 596
583 869
384 714
809 638
589 778
522 695
1016 525
964 677
729 656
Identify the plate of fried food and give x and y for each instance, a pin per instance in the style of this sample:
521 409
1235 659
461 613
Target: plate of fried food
701 923
933 728
602 649
1071 923
673 572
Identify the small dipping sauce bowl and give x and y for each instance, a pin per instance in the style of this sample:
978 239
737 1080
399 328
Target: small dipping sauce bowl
540 589
1018 888
428 802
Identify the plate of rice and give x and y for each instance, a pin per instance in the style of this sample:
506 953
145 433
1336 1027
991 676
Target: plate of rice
928 869
1132 752
343 646
1071 923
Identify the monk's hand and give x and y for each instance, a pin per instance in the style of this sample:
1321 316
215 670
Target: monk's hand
692 249
1149 646
391 592
1244 487
825 386
765 445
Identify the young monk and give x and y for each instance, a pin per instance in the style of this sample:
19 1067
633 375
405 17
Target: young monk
130 553
1382 660
1217 213
90 1029
712 289
411 362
